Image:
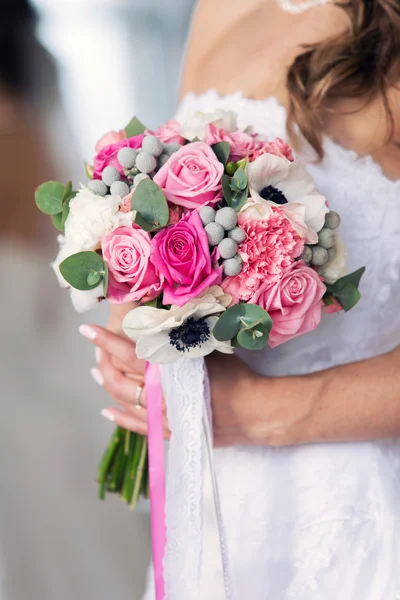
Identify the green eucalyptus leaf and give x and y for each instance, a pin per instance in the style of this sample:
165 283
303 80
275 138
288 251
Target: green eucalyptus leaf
93 278
67 191
105 279
228 325
222 151
255 315
134 127
238 317
226 189
195 139
254 338
57 222
49 197
239 180
65 210
348 296
238 199
76 269
353 278
151 206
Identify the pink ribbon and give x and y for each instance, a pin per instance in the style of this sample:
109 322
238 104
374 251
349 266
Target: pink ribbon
156 473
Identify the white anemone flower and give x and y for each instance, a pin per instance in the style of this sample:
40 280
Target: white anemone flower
163 336
278 181
195 124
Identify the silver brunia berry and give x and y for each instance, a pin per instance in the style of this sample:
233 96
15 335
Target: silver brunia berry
227 217
145 162
207 215
152 144
109 175
227 248
127 157
98 187
215 233
119 188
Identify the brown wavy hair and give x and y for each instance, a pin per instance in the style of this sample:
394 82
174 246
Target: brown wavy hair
362 63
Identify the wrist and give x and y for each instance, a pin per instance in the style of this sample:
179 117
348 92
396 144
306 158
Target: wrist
289 413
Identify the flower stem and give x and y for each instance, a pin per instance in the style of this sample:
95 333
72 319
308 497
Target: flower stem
139 474
106 461
127 485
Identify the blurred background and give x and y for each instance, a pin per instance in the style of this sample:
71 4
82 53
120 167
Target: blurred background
69 71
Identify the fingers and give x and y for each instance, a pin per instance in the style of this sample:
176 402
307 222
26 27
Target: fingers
121 349
130 421
117 384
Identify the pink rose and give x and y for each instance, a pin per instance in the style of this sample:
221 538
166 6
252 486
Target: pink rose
169 132
192 176
108 154
181 254
111 137
132 277
270 247
240 142
294 303
278 147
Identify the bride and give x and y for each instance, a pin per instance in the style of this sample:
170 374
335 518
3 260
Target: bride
307 463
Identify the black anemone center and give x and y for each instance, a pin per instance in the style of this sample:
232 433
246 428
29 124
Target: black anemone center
272 193
191 334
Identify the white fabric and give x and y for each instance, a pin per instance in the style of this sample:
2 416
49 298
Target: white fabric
316 522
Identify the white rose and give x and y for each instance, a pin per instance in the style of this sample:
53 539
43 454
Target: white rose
196 123
91 217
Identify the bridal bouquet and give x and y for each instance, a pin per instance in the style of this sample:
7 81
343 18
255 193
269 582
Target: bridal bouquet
221 238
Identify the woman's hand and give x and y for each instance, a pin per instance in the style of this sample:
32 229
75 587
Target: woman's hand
247 409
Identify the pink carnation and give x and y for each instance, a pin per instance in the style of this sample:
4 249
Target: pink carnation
108 154
169 132
109 138
192 176
278 147
181 254
294 303
132 277
270 247
240 142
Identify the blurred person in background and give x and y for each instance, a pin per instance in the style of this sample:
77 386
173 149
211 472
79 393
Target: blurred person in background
57 540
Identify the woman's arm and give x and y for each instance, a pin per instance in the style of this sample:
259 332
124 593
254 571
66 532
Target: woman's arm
358 401
352 402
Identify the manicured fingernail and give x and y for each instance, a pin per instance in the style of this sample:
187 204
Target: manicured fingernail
107 414
97 376
88 332
97 354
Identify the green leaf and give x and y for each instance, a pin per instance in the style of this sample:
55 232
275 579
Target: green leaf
222 151
49 197
353 278
226 189
151 206
254 338
134 127
195 139
239 199
239 180
57 222
348 296
93 278
67 191
76 269
65 210
105 279
240 316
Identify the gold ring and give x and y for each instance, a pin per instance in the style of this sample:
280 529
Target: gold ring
138 395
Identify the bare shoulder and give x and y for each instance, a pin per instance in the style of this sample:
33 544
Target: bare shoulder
248 46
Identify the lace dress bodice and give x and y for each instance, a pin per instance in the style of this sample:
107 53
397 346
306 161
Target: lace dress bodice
320 521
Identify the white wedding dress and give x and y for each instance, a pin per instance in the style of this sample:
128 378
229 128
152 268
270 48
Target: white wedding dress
320 521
